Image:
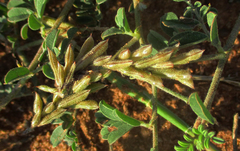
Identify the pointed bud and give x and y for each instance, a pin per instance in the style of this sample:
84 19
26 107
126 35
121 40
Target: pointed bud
38 104
46 88
81 84
86 47
96 51
95 76
101 60
52 116
142 52
163 65
69 58
118 64
87 104
124 54
73 99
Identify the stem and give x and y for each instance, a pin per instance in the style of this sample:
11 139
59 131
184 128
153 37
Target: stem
154 118
233 35
127 45
177 95
31 44
35 61
138 21
234 132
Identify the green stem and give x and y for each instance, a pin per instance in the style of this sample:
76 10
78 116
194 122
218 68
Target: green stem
233 35
177 95
127 45
28 45
154 118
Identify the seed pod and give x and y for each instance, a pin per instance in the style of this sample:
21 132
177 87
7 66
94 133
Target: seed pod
163 65
60 76
73 99
38 104
70 74
182 76
52 116
105 72
142 52
46 88
185 58
156 59
101 60
87 104
118 64
53 61
96 51
48 108
36 120
81 84
142 75
69 58
56 98
94 87
124 54
86 47
95 76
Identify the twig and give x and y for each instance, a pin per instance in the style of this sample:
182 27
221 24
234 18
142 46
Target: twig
154 118
234 131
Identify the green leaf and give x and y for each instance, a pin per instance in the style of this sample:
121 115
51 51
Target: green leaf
100 1
218 140
180 148
188 38
121 129
17 3
214 38
129 120
199 108
67 121
33 22
17 14
51 39
16 74
24 31
203 10
58 135
121 20
181 24
40 6
100 118
48 72
180 0
166 17
188 12
210 18
106 110
197 4
158 41
111 31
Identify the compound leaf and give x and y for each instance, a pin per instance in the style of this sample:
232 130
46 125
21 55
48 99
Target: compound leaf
199 108
16 74
17 14
158 41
